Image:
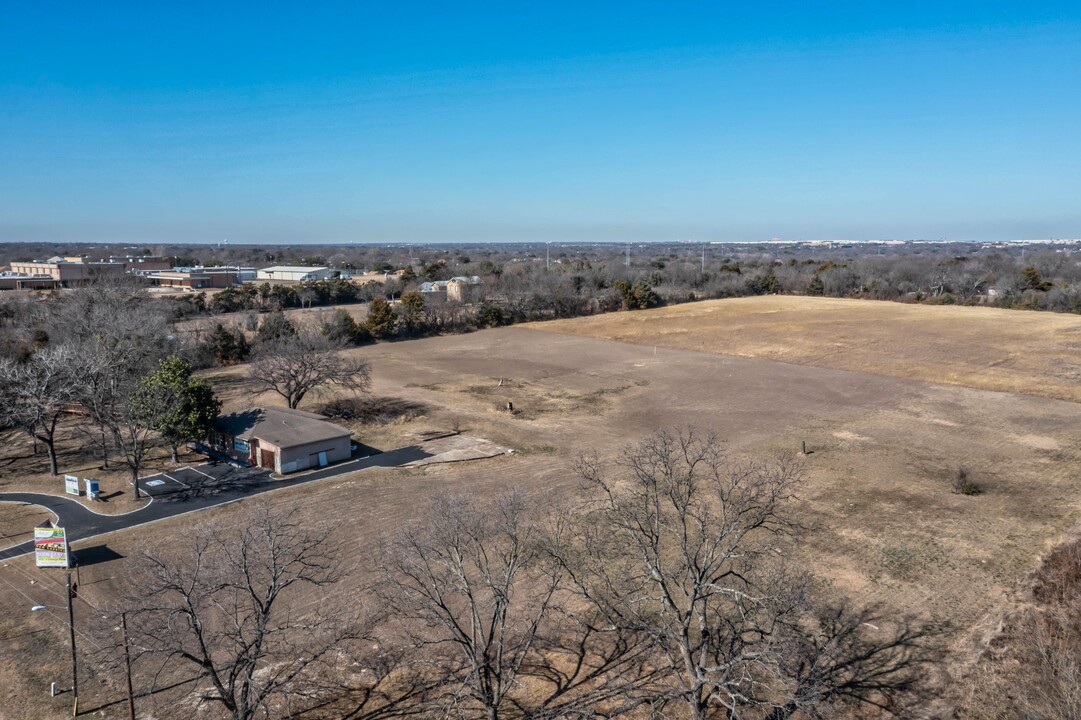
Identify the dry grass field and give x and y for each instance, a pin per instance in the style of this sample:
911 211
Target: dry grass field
890 399
1033 353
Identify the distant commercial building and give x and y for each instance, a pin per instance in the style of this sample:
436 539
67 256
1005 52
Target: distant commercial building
296 273
10 280
68 273
195 278
281 439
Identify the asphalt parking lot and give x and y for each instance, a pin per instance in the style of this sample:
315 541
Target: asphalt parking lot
195 480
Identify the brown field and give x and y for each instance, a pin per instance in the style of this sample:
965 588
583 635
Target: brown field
1033 353
885 443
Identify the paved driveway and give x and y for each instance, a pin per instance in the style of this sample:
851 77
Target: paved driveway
189 489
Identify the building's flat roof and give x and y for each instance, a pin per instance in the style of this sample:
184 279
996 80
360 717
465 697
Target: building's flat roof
280 426
292 268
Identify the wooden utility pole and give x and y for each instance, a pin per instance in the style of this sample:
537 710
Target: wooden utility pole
74 663
127 665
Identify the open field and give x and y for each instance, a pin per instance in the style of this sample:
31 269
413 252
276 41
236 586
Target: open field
1033 353
885 443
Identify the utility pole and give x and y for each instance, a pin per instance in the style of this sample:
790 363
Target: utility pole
127 665
703 258
74 664
74 661
628 254
548 256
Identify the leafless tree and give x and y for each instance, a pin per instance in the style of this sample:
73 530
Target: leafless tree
687 547
463 576
483 600
296 365
120 334
37 393
228 604
307 297
682 542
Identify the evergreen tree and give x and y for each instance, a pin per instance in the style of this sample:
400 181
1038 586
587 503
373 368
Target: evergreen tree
175 404
380 318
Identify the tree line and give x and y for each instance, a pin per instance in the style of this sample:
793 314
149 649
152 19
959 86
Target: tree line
523 287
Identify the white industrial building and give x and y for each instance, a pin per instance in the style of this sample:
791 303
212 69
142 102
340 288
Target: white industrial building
296 273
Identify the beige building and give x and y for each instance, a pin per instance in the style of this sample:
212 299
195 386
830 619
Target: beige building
281 439
192 279
68 273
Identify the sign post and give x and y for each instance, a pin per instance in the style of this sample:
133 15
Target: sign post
71 485
92 488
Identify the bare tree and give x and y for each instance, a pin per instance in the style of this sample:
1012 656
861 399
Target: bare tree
682 547
307 297
228 604
483 600
37 394
686 546
462 575
120 334
296 365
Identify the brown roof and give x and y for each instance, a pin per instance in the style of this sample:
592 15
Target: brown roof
280 426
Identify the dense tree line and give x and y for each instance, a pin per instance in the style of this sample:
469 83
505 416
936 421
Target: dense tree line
578 278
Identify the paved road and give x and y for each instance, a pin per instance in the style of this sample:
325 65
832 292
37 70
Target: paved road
221 486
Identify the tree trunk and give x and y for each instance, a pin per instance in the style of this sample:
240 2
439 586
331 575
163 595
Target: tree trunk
50 447
135 482
104 450
175 454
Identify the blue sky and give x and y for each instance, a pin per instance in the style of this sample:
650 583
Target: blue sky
407 122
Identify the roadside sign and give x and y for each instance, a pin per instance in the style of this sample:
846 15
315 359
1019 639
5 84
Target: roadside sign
50 546
92 488
71 485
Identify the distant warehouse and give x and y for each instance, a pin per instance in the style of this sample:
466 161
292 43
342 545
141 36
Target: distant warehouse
296 273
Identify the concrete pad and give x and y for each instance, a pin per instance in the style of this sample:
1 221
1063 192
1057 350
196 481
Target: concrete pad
457 448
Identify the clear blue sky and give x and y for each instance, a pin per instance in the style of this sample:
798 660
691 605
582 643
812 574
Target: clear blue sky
399 121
